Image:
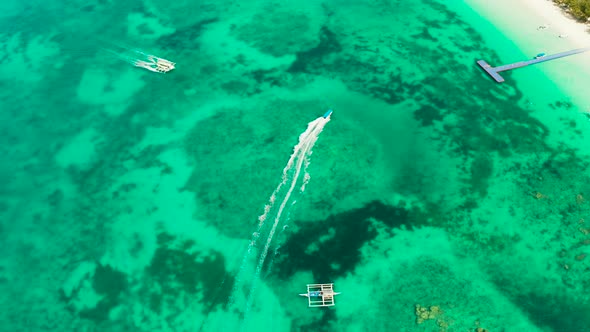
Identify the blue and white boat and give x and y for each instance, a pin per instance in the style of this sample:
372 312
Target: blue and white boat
540 55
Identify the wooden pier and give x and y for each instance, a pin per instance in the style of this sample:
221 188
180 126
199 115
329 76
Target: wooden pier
493 71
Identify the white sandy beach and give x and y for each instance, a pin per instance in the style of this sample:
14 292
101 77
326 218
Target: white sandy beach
537 26
524 19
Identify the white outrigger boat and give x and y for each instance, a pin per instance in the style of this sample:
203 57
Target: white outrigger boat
155 64
320 295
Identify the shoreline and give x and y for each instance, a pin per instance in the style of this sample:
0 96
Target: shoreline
542 26
542 19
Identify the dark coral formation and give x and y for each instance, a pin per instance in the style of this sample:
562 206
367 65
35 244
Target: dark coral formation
330 248
175 269
277 31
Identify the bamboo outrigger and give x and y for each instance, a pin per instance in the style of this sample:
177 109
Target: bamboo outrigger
320 295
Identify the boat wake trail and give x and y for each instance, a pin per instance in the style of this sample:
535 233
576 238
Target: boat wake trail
294 176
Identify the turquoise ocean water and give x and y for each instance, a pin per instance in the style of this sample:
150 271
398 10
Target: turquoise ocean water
207 198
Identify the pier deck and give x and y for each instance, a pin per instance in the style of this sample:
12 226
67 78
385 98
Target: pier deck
493 71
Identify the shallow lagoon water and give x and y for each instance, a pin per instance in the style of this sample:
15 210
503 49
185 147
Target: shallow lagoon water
129 198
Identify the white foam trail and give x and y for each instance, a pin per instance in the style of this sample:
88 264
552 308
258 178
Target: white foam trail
301 154
129 55
297 163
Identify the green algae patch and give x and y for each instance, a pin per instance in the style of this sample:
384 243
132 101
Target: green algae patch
482 169
176 271
109 281
94 290
277 31
229 165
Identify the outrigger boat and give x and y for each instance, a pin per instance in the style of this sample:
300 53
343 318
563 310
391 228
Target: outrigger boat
320 295
155 64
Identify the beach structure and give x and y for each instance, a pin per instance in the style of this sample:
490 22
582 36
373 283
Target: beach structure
320 295
493 71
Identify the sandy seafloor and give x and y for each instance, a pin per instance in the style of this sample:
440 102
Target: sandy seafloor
129 198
